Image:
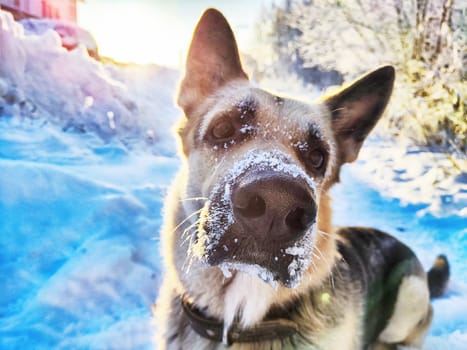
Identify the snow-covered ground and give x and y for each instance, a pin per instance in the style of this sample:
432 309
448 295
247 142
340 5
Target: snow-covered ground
86 155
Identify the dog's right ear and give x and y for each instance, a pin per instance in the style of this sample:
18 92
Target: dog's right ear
212 61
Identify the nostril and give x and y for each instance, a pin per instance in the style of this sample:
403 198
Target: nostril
299 219
294 219
255 207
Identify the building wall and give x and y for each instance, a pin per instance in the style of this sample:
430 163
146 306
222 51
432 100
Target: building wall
60 9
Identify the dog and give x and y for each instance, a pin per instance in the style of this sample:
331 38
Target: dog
251 259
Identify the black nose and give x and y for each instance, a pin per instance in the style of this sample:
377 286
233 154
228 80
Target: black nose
273 206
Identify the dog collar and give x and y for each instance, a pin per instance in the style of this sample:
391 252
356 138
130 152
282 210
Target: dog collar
213 329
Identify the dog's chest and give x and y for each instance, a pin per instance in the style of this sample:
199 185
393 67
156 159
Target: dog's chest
328 318
345 335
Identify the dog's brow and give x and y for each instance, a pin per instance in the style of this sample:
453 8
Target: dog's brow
314 131
247 106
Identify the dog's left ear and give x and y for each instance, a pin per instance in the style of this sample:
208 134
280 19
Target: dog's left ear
356 108
212 60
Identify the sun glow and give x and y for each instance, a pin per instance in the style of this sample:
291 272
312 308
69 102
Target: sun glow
158 31
133 32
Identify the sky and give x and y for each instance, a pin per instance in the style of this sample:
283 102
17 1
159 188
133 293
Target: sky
159 31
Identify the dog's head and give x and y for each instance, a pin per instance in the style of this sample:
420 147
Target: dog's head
258 165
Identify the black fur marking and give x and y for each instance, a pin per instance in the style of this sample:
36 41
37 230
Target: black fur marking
314 132
247 107
380 262
278 100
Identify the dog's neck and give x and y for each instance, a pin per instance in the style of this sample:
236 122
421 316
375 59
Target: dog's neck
218 331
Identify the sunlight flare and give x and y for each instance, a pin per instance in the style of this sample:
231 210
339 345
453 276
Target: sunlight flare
132 32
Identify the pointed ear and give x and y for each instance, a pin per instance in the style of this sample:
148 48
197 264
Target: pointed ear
356 108
212 60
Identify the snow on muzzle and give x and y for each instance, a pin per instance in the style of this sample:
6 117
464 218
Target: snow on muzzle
260 219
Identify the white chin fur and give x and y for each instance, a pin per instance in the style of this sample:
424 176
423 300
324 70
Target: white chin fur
248 296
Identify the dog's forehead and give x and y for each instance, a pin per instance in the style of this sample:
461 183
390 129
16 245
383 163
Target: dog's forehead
273 113
287 112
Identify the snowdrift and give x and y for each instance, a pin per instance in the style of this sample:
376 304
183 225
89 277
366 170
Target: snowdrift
40 79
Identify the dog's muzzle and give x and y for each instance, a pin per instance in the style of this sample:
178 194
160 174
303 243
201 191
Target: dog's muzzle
260 219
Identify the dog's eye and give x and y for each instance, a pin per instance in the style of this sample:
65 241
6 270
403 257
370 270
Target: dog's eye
316 158
223 130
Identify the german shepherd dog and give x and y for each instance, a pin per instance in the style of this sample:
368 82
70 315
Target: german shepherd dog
251 258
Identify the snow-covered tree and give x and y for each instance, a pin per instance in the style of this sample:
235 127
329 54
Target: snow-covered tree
425 39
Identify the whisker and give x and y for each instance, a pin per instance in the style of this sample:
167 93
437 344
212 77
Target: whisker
313 265
193 199
331 277
326 261
324 233
185 234
186 219
189 257
322 256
